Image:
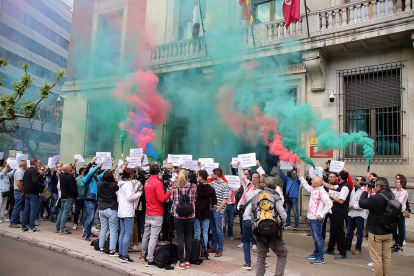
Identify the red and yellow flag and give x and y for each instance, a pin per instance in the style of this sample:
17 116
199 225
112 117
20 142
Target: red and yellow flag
246 12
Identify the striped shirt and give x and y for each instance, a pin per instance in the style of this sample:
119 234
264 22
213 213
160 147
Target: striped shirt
222 193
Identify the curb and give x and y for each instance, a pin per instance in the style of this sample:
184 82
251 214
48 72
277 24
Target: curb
74 254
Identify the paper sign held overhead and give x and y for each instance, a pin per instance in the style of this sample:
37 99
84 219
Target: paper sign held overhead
336 166
28 163
107 163
133 162
233 181
20 157
79 158
1 155
101 155
120 163
187 164
174 159
285 165
206 160
145 162
317 171
136 152
247 160
13 163
51 164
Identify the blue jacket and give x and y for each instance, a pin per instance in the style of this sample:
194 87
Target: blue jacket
91 184
5 180
294 191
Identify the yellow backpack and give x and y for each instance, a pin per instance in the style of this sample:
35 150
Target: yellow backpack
267 224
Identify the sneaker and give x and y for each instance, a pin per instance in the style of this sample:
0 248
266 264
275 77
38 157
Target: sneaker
394 246
34 230
231 238
7 220
247 266
128 259
287 226
86 238
317 261
93 235
14 226
329 252
151 264
143 259
95 229
57 230
311 257
52 220
356 252
397 249
187 265
137 247
240 245
254 248
268 254
22 230
404 243
370 264
75 226
295 228
266 265
179 266
113 254
65 232
101 250
339 256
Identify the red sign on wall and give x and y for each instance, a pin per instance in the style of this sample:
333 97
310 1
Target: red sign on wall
315 153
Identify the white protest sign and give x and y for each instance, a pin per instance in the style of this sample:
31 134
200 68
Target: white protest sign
50 163
206 160
317 171
145 162
334 193
210 167
194 166
247 160
13 163
101 155
1 155
133 162
286 165
20 157
120 163
187 164
233 181
336 166
79 158
174 159
234 161
186 157
106 163
28 163
136 152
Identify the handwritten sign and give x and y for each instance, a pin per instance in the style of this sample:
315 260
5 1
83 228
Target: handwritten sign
20 157
205 160
209 167
145 162
233 181
285 165
174 159
247 160
50 163
317 171
107 163
136 152
100 156
187 164
13 163
336 166
133 162
79 158
1 155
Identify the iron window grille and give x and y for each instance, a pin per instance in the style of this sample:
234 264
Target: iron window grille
370 100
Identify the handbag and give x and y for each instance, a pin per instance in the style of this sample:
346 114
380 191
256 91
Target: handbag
47 196
406 214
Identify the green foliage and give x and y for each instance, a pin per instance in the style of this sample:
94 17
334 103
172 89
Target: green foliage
6 141
8 103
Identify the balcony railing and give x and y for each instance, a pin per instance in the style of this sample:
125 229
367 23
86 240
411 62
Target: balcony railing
331 21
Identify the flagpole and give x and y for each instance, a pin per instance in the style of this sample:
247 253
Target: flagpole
307 20
254 43
202 26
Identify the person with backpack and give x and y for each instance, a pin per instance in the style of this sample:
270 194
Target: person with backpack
267 215
5 175
183 211
401 195
379 224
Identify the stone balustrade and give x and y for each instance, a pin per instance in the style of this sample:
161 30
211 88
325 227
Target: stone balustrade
178 50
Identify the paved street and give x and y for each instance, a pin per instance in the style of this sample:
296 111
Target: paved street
299 245
18 258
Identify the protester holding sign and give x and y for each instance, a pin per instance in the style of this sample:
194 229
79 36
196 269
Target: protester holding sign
5 175
291 196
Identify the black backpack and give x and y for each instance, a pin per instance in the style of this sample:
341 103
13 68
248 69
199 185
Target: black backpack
392 212
165 255
184 207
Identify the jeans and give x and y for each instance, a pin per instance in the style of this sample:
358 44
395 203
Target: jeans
353 222
316 231
152 229
205 223
247 235
217 235
127 225
43 205
53 208
108 216
66 207
292 202
229 215
78 208
30 210
184 228
90 212
18 203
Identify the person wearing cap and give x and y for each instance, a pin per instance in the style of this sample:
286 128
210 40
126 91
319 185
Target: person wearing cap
18 193
32 187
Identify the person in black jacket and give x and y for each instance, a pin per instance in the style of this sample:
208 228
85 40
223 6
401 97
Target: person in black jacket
54 179
379 237
108 212
69 192
32 187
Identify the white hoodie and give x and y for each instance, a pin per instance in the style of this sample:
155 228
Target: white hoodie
127 195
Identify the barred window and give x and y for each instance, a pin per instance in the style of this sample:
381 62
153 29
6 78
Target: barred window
370 100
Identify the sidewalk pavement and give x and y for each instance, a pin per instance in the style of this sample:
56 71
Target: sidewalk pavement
299 245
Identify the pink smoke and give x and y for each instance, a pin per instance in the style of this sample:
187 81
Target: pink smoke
147 106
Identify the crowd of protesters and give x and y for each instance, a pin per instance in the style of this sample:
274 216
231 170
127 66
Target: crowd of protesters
133 213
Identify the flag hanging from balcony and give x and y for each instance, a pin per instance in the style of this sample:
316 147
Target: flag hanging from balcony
246 12
291 11
196 20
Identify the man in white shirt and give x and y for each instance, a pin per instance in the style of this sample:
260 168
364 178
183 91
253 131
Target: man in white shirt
356 217
319 206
